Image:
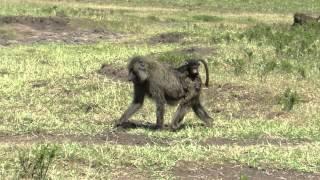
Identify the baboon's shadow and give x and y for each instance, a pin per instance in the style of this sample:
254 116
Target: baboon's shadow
134 124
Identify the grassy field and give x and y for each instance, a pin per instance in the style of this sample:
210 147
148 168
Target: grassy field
58 106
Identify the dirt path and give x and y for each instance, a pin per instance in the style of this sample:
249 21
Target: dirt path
124 138
227 171
28 29
121 138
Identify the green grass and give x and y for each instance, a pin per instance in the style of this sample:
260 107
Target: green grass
53 88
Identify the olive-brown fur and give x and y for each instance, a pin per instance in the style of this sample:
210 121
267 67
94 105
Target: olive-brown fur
191 80
155 80
165 85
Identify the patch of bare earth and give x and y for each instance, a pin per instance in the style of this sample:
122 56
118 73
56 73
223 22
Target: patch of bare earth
239 101
171 37
247 142
198 51
113 72
197 170
194 51
130 172
122 138
28 29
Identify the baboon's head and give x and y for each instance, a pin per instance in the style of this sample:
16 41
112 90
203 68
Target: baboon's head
193 67
137 69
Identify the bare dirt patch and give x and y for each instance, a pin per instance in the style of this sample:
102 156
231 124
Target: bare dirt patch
39 83
197 52
28 29
238 101
4 72
113 72
197 170
130 172
118 137
247 142
200 51
171 37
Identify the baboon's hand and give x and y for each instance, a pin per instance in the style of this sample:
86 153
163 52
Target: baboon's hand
125 124
159 127
174 127
119 123
209 122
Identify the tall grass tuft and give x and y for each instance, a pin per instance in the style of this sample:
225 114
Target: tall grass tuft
288 99
35 164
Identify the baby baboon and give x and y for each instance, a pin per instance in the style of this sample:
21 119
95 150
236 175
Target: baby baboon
191 69
190 78
301 19
156 80
164 85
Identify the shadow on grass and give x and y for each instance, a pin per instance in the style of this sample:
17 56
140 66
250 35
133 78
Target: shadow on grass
135 124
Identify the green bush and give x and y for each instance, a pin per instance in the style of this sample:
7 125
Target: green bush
267 67
288 99
35 164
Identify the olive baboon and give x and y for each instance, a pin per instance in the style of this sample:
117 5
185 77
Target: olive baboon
159 82
156 80
190 78
301 19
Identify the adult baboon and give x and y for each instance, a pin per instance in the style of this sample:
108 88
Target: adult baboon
301 19
159 82
156 80
191 80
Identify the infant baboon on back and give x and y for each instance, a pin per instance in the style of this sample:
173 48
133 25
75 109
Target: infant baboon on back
192 84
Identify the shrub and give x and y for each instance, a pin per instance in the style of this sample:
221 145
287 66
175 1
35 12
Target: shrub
35 164
288 99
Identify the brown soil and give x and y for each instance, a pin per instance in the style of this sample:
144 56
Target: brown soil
39 83
199 51
4 72
196 170
237 101
113 72
59 23
124 138
130 172
248 142
119 137
28 29
171 37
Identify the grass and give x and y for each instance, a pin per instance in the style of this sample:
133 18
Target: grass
264 86
35 165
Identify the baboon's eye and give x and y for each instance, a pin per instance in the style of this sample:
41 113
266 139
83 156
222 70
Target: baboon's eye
142 66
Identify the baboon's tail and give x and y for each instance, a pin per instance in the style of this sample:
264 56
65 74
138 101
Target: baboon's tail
207 71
